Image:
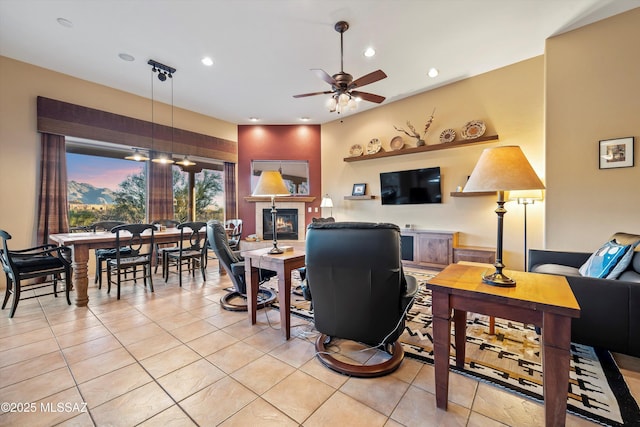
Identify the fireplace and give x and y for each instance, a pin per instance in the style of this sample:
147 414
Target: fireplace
286 224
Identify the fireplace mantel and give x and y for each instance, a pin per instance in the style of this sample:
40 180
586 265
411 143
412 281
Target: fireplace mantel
303 199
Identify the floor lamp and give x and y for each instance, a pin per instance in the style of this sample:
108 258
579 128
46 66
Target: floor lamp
272 185
502 169
525 197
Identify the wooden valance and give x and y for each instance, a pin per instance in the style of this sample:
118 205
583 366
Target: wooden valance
63 118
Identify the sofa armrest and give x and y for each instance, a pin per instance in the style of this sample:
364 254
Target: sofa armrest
571 259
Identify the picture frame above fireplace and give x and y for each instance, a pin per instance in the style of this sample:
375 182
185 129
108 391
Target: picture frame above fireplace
295 173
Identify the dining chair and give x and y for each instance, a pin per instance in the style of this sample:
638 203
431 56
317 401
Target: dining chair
104 254
233 227
161 248
46 264
137 254
192 250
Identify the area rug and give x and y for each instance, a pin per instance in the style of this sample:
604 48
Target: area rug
511 359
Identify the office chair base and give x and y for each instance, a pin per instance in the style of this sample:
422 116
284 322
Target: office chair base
235 301
363 371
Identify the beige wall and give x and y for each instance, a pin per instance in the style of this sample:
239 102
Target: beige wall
593 93
20 84
509 100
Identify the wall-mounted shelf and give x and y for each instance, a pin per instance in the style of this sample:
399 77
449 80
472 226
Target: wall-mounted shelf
424 148
479 193
367 197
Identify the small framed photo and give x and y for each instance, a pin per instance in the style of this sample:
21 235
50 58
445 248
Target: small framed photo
616 153
359 189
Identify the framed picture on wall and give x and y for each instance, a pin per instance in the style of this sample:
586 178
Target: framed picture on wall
616 153
359 189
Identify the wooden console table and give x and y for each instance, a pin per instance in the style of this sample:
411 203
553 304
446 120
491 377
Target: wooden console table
541 299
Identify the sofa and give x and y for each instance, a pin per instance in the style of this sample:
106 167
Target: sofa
610 308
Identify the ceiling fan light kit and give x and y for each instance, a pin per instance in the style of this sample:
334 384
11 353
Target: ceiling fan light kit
343 94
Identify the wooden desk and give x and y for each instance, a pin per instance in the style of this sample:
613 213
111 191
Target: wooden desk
541 299
283 264
80 243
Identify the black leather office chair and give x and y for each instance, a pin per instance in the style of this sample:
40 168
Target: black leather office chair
46 262
359 290
233 263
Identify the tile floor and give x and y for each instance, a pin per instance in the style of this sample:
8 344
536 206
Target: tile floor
174 357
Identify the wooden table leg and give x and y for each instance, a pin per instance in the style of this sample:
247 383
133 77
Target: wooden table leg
441 343
284 299
556 342
80 266
492 325
252 290
460 325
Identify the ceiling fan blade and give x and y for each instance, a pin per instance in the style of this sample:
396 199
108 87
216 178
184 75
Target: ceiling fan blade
368 79
312 94
324 76
371 97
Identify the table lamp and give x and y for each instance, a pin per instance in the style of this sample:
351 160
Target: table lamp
502 169
271 184
327 203
525 197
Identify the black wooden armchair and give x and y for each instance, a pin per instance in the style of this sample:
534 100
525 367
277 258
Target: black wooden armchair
360 292
46 264
233 264
104 254
133 254
192 250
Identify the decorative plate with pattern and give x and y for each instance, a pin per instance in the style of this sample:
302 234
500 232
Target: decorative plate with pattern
473 129
448 135
374 146
356 150
397 143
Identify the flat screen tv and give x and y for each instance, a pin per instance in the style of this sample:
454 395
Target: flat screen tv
411 187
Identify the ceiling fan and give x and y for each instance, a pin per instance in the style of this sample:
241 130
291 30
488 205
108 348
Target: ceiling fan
342 84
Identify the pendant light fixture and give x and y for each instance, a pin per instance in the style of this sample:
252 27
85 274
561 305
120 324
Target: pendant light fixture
137 156
163 71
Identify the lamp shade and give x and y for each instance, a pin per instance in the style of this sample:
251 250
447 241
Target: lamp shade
326 202
271 184
502 169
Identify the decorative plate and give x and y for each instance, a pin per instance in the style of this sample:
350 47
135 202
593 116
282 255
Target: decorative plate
356 150
374 146
397 143
448 135
473 129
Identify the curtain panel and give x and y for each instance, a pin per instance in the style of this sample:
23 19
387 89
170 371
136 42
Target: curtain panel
159 192
230 191
53 208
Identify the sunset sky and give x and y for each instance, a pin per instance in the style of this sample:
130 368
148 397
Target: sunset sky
101 172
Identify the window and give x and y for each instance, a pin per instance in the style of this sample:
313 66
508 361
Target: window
209 194
105 188
102 185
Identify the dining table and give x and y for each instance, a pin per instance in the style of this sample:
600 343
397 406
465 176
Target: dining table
82 243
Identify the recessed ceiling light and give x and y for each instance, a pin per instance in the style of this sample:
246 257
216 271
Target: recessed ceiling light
369 52
207 61
433 72
253 119
126 57
65 22
304 119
